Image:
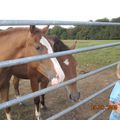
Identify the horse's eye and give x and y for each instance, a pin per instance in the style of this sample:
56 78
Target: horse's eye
37 47
37 32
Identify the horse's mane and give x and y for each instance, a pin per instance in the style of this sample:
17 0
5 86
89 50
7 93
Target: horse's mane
12 30
58 44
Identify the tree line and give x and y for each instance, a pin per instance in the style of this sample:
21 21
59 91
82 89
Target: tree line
82 32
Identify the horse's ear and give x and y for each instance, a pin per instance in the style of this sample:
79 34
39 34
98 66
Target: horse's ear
74 45
45 30
32 28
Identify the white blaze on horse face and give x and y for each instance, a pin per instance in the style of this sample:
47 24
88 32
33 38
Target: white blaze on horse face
60 74
66 62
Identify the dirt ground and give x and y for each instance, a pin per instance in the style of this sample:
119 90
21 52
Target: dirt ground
57 101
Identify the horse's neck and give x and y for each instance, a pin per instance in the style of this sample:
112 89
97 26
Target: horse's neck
11 43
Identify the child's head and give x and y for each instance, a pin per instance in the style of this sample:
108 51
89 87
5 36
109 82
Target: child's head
118 71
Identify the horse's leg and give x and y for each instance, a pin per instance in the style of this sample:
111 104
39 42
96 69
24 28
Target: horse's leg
5 97
43 85
5 76
16 86
16 81
35 87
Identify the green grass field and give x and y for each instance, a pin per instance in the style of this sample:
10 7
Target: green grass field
88 61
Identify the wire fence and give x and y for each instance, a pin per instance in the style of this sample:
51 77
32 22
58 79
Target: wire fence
9 63
51 88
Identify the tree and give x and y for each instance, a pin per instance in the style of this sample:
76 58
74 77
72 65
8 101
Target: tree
88 32
58 31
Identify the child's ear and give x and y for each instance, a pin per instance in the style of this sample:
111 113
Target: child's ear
118 71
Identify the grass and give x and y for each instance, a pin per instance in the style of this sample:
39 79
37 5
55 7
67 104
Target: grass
86 43
88 61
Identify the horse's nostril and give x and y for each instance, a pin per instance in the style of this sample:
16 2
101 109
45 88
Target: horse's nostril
74 97
70 96
57 76
37 47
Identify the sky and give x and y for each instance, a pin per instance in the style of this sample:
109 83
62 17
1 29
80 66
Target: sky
72 10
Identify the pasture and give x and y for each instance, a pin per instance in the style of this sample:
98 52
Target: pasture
57 100
94 59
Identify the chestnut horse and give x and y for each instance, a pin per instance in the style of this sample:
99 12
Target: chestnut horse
23 42
68 65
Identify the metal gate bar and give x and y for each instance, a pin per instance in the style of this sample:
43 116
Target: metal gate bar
54 22
19 61
96 115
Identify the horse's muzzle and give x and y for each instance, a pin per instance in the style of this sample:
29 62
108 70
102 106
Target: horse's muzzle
57 80
74 96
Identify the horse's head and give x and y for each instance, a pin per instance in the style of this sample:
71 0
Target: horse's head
50 68
68 64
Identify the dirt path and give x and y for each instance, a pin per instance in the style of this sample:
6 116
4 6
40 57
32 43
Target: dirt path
57 101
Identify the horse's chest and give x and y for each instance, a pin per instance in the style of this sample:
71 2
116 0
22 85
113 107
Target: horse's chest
20 71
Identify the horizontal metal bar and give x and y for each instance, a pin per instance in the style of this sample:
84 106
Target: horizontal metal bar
53 22
51 88
69 109
96 115
9 63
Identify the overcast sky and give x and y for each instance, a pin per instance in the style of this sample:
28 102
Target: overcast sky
82 10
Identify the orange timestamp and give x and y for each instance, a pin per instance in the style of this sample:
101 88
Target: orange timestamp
101 107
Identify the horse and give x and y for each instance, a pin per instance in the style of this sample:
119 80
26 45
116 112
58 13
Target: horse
23 42
68 64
